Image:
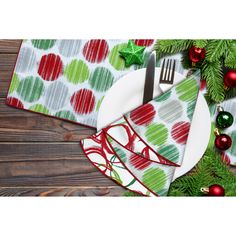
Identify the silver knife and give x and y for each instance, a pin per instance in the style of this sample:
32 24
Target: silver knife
149 78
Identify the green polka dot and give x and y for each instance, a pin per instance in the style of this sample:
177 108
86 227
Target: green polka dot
77 71
154 179
66 115
99 103
170 152
101 79
14 83
190 109
30 89
187 90
121 154
39 108
233 147
43 44
163 97
156 134
115 59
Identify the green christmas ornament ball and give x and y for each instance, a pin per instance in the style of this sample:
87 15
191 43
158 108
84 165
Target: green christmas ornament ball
224 119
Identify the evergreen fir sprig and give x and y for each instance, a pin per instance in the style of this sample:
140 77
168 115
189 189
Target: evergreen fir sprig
230 59
200 43
210 170
212 73
215 49
219 54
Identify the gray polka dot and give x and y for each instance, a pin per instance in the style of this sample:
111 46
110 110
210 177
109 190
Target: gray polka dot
26 60
56 96
69 48
170 111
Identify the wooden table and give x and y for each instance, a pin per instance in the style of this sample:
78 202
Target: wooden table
39 155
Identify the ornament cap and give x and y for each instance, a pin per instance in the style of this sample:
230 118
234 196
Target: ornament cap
226 88
220 108
216 132
204 190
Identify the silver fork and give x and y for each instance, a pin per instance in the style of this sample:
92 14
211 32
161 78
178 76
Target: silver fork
168 76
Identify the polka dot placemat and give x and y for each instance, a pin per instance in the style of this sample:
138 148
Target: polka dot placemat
68 78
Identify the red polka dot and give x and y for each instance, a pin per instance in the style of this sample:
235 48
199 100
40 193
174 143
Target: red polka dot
83 101
14 102
225 158
180 132
95 50
50 67
144 42
143 115
139 162
202 84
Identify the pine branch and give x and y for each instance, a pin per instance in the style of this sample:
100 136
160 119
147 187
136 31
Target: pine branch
212 73
216 49
172 46
200 43
210 170
230 57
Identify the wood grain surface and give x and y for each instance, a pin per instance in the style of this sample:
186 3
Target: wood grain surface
39 155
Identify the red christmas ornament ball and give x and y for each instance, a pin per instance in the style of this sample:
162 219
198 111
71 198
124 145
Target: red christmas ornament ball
230 79
196 54
223 142
216 190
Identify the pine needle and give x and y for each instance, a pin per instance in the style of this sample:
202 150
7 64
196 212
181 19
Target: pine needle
210 170
216 49
172 46
200 43
230 57
212 73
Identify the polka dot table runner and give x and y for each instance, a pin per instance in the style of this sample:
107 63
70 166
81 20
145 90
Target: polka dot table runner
68 78
141 150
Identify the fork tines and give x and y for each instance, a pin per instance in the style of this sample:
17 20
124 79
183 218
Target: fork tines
167 72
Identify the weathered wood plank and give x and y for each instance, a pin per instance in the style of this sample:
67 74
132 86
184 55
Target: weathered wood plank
17 125
47 164
5 78
9 46
62 191
36 152
7 61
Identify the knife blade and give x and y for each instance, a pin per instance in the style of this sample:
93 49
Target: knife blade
149 78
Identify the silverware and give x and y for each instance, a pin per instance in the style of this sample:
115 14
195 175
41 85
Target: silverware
167 72
149 78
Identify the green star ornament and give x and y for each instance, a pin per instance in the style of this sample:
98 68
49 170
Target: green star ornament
132 54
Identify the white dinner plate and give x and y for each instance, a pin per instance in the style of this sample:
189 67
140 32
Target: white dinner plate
127 94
